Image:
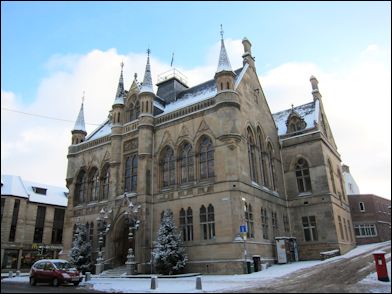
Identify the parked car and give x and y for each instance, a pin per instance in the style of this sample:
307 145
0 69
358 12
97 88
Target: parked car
54 271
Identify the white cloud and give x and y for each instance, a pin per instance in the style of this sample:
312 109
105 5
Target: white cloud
357 103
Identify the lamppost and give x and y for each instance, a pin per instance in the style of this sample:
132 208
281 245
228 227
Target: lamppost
103 228
132 215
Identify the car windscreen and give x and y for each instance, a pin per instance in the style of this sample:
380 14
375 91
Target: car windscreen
61 265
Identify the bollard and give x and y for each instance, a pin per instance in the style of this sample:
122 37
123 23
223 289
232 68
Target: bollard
18 273
198 283
87 277
10 274
154 283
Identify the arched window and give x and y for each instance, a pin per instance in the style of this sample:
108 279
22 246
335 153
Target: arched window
105 182
131 165
331 176
168 167
271 166
186 224
252 156
186 163
93 185
303 176
249 220
80 188
263 168
207 222
206 158
341 183
228 85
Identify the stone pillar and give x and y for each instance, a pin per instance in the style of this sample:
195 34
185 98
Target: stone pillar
130 262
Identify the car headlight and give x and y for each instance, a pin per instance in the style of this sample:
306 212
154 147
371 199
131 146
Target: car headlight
66 276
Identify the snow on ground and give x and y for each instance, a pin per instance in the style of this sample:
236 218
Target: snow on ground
227 282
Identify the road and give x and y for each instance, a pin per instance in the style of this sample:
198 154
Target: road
19 287
340 276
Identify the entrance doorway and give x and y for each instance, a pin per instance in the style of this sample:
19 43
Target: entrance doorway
120 241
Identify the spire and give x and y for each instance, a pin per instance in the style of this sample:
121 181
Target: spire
119 99
79 125
147 82
224 63
315 90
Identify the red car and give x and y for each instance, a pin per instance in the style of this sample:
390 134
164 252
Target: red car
54 271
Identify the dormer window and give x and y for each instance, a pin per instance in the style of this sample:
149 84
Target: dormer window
295 123
39 190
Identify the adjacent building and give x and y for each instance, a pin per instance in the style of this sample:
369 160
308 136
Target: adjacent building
32 222
219 159
350 183
371 215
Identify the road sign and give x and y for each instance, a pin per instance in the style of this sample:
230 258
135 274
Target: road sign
243 229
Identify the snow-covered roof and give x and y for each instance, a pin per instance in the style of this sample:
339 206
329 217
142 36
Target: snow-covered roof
103 130
198 93
307 112
15 186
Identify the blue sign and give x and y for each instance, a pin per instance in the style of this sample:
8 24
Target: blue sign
243 229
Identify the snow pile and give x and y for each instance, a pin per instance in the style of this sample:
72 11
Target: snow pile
376 286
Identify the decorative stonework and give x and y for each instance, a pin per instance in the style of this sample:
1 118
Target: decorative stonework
131 145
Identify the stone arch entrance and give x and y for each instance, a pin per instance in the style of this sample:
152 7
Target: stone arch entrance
121 244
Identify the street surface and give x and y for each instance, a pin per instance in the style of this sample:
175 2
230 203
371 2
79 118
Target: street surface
340 276
18 287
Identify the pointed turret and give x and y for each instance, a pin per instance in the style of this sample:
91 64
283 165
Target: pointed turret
147 81
118 104
119 99
315 90
79 131
146 94
247 56
224 75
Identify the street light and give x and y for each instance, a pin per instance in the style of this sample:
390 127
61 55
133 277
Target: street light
132 215
103 228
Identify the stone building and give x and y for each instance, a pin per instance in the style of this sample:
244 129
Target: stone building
371 215
216 156
32 220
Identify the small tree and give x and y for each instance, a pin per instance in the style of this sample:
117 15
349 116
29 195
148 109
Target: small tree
169 252
80 255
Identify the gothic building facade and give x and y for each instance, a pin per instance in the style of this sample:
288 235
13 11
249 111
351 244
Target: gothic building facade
218 158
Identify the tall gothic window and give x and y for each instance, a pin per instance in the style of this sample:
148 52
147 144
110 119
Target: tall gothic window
341 183
93 185
80 188
134 111
105 182
252 156
168 167
249 220
271 166
206 158
131 166
264 223
207 222
331 176
186 163
58 225
303 176
263 169
186 224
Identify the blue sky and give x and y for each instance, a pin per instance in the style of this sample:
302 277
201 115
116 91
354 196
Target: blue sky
326 33
53 51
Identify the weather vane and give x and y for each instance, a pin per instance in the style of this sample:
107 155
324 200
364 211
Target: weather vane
148 51
221 32
83 97
122 65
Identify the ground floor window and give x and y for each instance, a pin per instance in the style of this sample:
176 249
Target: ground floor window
10 259
29 257
310 228
365 230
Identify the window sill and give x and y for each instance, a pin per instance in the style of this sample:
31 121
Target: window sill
304 194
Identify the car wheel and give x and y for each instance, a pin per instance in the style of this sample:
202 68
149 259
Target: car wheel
56 282
33 282
76 283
